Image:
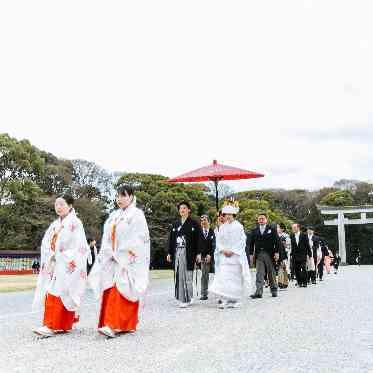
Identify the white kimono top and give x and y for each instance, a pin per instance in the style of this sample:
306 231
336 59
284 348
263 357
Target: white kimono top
63 271
124 256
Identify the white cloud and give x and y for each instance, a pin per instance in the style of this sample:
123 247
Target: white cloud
167 86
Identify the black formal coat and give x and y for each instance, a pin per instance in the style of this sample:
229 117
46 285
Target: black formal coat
268 242
207 246
300 251
324 250
316 245
191 231
283 253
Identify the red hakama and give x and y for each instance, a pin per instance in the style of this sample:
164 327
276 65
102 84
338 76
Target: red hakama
117 312
56 316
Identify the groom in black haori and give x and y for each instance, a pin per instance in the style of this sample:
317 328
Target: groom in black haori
183 248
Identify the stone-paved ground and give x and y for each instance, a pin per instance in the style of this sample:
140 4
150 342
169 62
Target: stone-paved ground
325 328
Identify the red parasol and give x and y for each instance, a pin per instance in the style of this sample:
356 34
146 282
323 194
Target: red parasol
215 173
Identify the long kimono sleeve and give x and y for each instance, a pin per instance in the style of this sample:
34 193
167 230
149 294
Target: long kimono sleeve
97 279
196 239
71 259
46 270
239 245
219 244
171 242
132 278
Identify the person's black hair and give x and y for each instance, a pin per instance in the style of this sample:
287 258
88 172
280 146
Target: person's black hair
125 190
282 226
90 239
183 203
68 199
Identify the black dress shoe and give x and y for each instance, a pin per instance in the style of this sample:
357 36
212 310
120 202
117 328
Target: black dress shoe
256 296
203 298
313 282
274 295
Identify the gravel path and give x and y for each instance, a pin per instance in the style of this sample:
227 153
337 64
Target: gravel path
325 328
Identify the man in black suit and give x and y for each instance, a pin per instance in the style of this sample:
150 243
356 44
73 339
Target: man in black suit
300 251
207 249
264 251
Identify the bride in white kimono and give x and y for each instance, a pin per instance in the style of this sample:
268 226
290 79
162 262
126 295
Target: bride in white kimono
120 275
233 273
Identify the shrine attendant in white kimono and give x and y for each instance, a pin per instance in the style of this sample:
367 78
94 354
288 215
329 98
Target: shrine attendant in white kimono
233 274
120 275
63 273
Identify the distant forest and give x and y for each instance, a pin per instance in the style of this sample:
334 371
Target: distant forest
30 180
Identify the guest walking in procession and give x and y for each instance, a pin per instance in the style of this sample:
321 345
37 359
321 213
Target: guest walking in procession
336 262
234 273
324 253
314 260
62 279
183 248
283 271
264 251
120 275
328 261
301 252
92 255
205 258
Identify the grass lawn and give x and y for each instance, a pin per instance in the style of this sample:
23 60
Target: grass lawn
17 283
14 283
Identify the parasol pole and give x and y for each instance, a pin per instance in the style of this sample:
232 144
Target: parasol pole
216 182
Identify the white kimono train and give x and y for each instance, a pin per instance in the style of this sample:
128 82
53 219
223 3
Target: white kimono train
63 271
124 257
232 274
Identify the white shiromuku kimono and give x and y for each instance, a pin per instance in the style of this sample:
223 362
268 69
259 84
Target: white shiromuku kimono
216 253
124 257
63 271
234 272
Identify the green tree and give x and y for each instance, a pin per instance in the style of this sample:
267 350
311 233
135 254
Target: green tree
339 198
159 199
19 162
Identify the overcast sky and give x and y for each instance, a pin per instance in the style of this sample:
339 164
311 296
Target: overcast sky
280 87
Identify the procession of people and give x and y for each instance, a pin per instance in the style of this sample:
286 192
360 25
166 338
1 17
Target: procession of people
118 273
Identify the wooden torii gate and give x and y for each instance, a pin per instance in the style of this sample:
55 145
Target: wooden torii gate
341 221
